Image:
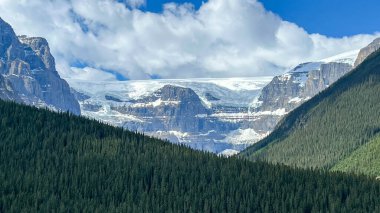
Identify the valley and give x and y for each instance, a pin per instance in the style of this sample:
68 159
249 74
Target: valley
212 106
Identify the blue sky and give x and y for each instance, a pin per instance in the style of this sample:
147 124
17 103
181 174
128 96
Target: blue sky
335 18
329 17
156 5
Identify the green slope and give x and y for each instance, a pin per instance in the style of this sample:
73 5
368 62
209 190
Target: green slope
365 160
330 126
61 163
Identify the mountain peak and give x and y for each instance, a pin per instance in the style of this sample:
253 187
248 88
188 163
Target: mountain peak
28 72
330 126
40 47
368 50
8 38
346 57
172 92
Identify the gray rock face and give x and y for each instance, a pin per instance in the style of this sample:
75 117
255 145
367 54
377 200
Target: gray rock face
41 50
319 80
173 108
278 93
365 52
305 81
207 114
216 115
6 91
28 73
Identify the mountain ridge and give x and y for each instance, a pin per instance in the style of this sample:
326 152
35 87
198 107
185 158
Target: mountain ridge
295 133
28 73
61 162
291 89
218 110
237 107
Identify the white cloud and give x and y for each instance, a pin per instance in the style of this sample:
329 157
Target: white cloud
91 74
223 38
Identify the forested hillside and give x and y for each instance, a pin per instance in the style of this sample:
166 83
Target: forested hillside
62 163
330 126
365 160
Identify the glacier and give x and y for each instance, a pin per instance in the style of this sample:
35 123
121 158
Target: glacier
229 124
223 116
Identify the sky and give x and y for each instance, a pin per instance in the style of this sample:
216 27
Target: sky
144 39
157 6
335 18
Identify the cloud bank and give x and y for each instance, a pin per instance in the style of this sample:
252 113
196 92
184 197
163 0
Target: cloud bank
224 38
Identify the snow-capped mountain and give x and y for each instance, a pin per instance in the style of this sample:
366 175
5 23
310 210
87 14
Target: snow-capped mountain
206 114
287 91
223 116
219 115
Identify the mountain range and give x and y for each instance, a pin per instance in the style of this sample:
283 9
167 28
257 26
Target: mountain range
310 138
206 114
223 116
338 129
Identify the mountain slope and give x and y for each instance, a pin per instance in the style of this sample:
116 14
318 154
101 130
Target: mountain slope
330 126
58 162
365 160
28 74
291 89
207 114
237 112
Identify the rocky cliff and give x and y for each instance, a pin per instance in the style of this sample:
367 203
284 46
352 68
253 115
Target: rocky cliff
6 90
291 89
365 52
28 73
205 114
303 82
318 80
173 108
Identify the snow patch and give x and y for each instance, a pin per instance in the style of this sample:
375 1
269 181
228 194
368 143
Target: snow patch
278 112
295 100
244 136
231 92
307 67
156 103
109 116
228 153
181 137
347 57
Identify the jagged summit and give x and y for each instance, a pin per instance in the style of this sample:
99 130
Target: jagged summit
287 91
206 114
40 46
28 73
172 92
